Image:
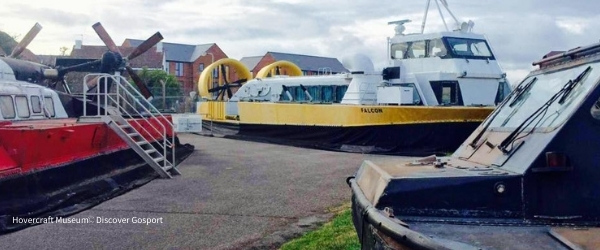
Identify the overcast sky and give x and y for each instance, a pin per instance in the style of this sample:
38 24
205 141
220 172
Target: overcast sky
519 31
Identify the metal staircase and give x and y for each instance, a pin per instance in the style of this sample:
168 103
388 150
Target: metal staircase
133 118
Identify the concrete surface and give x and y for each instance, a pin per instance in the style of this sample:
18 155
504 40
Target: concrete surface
231 195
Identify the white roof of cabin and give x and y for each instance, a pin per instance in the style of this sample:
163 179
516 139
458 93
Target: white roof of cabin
429 36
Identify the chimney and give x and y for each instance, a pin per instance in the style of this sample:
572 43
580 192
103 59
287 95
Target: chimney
78 44
159 47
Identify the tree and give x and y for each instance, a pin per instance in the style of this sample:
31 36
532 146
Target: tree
153 78
7 42
63 50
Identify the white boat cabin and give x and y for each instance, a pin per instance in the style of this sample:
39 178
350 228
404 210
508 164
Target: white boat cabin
26 101
452 68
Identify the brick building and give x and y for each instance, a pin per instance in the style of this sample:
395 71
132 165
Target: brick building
185 61
310 65
151 59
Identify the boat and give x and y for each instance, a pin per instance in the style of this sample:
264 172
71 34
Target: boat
526 178
437 89
52 164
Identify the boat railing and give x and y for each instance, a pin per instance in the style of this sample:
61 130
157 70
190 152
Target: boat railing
131 104
324 71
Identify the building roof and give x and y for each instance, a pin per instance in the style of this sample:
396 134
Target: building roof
150 59
251 61
311 63
178 52
49 60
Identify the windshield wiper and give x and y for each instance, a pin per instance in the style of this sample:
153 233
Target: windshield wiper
540 113
517 92
521 90
574 83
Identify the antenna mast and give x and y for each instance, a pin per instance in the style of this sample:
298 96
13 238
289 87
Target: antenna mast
445 4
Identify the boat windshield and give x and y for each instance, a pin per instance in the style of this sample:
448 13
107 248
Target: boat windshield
536 91
468 48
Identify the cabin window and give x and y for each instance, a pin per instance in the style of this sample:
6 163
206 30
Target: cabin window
22 106
469 48
447 92
36 104
7 107
314 92
416 50
49 106
298 94
339 93
284 96
533 94
503 91
398 50
327 94
436 48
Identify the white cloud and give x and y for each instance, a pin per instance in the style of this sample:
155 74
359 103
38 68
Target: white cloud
520 31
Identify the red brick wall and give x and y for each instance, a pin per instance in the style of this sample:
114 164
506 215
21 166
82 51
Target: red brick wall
266 60
206 60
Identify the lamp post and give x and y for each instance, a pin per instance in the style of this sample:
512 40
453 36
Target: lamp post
164 93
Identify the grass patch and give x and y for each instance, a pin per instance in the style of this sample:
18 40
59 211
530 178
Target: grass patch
336 234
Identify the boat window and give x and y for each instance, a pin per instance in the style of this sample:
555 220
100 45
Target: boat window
436 48
327 94
298 94
595 111
503 91
469 48
546 86
398 50
314 93
49 106
22 106
447 92
284 96
339 93
416 50
7 107
36 104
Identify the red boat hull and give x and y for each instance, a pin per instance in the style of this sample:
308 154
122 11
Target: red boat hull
60 167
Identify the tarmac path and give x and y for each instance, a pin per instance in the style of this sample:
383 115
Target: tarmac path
231 195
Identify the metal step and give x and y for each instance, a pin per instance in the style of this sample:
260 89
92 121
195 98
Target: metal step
134 139
126 101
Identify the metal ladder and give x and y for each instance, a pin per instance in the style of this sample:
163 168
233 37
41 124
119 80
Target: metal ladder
126 101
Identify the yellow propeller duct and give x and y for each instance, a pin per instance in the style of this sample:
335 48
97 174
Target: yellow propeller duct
205 82
287 67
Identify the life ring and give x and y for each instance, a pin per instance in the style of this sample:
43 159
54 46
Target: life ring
206 77
290 69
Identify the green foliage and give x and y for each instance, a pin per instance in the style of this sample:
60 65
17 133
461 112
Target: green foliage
337 234
7 42
152 79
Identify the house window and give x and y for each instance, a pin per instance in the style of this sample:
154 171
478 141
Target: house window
167 67
7 107
178 69
201 68
22 106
